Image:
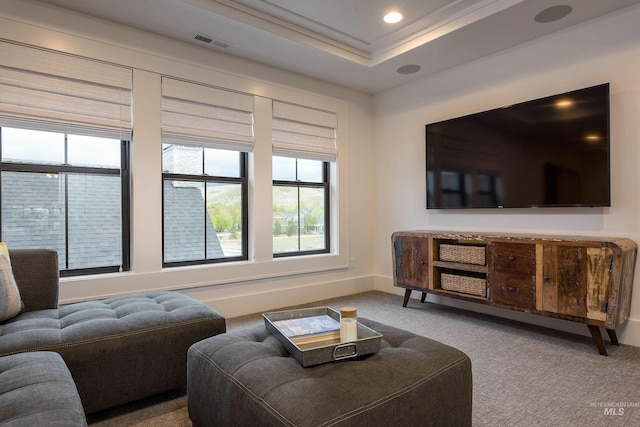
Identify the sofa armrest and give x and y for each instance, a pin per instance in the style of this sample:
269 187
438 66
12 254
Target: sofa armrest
37 276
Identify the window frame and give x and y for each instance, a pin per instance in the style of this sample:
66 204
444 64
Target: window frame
125 200
326 186
205 179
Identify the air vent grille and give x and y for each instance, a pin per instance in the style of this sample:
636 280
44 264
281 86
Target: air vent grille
202 38
211 41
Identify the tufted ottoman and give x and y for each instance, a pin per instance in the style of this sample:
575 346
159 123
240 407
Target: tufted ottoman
117 349
36 389
248 378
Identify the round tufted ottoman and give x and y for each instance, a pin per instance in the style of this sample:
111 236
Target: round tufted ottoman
248 378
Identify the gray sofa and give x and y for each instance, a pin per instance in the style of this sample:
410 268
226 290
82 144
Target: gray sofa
118 349
36 389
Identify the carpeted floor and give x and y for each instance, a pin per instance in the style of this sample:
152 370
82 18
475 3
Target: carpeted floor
523 375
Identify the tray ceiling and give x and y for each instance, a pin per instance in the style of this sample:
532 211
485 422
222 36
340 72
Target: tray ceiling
345 41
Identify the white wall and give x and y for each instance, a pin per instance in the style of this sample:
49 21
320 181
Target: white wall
605 50
235 288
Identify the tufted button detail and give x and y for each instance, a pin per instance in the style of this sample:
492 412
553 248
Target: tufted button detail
96 320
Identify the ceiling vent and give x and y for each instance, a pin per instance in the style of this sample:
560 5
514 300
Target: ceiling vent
211 41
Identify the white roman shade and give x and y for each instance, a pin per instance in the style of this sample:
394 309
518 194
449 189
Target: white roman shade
304 132
45 90
195 114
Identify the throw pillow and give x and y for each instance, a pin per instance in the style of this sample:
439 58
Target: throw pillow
10 301
4 249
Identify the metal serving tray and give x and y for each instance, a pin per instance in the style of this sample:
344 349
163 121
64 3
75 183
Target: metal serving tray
368 341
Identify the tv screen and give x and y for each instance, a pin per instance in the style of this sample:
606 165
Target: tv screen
551 151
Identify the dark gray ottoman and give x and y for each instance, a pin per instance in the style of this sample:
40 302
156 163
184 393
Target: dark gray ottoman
248 378
36 389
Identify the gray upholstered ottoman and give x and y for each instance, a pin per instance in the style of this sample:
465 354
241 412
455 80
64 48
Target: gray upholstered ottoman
248 378
36 389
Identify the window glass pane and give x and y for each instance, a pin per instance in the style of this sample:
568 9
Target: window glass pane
224 229
285 219
92 151
298 217
310 170
221 163
182 159
284 168
95 221
33 211
184 220
22 145
312 212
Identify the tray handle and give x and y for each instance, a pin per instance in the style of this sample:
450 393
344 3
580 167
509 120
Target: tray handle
344 351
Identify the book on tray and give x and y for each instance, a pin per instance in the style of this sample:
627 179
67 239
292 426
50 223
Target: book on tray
309 330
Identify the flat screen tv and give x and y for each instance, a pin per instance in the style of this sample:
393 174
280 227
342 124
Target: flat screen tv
552 151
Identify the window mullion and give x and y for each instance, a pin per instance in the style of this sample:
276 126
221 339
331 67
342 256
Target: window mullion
206 215
299 222
66 204
66 219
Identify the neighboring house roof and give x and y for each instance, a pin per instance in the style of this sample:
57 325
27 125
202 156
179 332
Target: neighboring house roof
33 217
286 214
183 222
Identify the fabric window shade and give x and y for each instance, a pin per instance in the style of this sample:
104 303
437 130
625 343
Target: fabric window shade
45 90
304 132
195 114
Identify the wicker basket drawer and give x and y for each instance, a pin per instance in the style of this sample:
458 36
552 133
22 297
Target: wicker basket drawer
463 284
466 254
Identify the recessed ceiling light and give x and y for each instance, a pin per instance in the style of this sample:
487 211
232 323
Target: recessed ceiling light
409 69
553 14
392 17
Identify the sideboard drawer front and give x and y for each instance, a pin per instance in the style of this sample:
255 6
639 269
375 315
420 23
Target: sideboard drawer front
513 258
513 290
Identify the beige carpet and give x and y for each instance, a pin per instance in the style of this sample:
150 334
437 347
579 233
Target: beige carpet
523 375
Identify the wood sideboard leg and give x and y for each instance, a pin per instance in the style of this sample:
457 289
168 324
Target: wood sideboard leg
407 294
424 295
613 337
597 339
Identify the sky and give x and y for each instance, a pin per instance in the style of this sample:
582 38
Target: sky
35 146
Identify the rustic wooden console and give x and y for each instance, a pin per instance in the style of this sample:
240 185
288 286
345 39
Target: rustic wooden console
583 279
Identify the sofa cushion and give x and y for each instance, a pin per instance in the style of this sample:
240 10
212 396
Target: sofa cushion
36 389
10 301
37 275
84 322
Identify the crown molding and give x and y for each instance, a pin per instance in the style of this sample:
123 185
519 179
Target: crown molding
300 29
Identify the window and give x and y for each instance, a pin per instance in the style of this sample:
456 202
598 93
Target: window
304 147
204 205
206 134
65 127
68 193
300 206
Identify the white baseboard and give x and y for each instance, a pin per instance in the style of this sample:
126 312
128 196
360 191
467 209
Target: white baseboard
256 302
629 333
